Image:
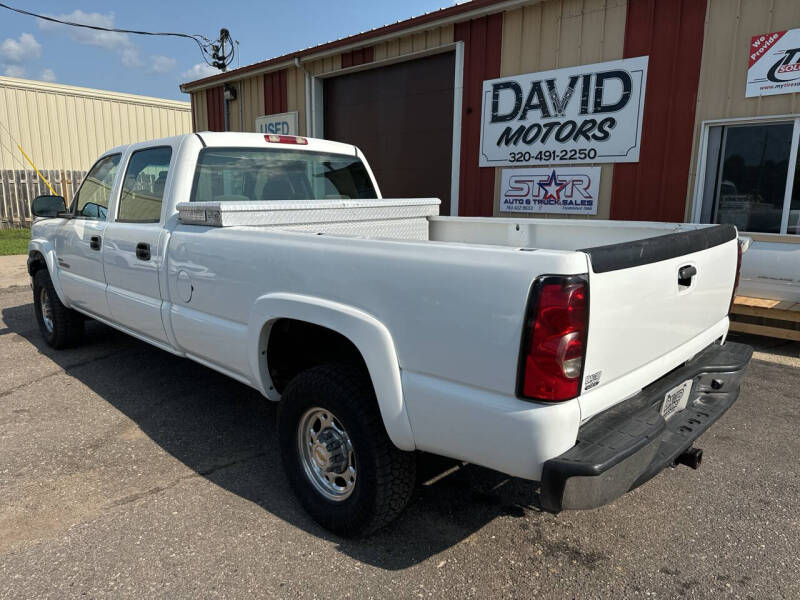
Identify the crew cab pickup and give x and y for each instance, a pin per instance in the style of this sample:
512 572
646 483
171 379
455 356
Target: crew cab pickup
583 355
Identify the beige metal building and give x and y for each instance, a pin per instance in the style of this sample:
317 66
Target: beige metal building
64 128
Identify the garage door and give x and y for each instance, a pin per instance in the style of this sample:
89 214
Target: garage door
401 116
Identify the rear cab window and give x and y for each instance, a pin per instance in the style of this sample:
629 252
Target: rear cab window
244 174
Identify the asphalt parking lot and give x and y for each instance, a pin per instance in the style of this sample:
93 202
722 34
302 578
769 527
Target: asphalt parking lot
128 472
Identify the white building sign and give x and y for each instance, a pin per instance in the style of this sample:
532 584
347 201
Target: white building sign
774 65
278 124
554 190
585 114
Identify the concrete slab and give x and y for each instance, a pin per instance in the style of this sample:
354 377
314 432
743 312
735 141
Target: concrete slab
14 270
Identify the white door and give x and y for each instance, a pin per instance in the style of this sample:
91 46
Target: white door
79 242
132 253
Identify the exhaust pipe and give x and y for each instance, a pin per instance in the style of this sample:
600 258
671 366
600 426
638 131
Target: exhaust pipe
691 458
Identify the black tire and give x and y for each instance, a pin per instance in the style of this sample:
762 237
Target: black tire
66 328
385 475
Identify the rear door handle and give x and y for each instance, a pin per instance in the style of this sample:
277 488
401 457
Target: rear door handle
143 251
94 242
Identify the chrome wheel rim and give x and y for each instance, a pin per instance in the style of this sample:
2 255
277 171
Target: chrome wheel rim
326 454
47 310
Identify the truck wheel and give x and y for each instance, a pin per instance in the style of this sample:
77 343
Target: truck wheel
61 327
337 455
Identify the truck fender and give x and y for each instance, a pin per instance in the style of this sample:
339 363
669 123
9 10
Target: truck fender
45 248
369 335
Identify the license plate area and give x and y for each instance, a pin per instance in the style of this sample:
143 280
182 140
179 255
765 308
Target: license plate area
676 399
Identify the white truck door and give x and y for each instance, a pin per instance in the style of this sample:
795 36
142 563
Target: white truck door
79 241
132 254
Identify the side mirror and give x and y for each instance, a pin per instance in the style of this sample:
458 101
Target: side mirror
48 206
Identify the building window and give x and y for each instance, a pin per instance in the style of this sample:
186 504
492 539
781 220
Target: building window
752 179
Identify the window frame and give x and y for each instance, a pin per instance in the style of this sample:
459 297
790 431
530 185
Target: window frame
700 183
122 184
196 173
74 203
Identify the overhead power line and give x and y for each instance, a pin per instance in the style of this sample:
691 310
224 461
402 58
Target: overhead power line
218 53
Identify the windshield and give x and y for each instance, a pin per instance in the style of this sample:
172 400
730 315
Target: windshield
240 174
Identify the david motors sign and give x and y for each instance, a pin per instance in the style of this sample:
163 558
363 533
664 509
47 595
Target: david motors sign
774 65
585 114
278 124
555 190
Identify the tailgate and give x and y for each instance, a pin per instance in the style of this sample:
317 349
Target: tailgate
646 315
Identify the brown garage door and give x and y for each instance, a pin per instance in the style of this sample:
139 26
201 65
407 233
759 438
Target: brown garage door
401 116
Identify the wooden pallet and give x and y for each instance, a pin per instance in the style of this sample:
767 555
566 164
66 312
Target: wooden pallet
785 315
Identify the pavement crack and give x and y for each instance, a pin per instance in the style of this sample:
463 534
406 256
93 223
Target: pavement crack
66 370
162 488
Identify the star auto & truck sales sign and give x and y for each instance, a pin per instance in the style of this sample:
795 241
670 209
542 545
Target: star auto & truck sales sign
584 114
552 190
774 64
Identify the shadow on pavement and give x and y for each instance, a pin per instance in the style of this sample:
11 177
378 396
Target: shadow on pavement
224 431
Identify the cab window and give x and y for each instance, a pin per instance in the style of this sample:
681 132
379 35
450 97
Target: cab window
91 201
143 186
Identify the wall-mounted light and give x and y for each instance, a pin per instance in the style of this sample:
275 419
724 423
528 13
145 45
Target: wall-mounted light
230 92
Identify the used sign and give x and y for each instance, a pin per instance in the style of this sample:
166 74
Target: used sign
278 124
585 114
774 65
555 190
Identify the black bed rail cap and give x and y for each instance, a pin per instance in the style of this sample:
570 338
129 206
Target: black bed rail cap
663 247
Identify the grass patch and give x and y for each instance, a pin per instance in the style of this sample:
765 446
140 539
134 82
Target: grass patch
14 241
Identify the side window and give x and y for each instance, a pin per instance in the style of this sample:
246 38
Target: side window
91 201
143 186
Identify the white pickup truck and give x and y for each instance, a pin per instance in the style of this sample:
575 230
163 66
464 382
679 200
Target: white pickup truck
584 355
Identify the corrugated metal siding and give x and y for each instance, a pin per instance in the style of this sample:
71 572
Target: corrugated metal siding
357 57
671 33
557 34
426 40
248 105
723 71
65 128
200 110
275 92
296 97
482 49
215 108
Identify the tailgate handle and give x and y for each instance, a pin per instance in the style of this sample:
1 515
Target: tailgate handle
685 275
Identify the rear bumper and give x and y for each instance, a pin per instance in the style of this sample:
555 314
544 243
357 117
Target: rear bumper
625 446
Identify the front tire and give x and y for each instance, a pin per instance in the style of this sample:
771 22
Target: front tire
337 455
61 327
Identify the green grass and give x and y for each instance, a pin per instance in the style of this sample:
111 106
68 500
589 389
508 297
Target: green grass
14 241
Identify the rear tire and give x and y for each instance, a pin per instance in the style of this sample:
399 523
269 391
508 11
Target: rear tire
337 455
61 327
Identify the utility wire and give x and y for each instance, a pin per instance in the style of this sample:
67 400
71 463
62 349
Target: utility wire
212 57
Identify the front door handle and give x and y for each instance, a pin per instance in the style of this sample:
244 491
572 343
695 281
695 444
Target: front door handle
94 242
143 251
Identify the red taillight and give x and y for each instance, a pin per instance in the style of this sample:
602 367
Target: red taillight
555 342
738 272
285 139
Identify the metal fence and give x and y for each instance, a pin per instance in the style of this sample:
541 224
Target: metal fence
19 187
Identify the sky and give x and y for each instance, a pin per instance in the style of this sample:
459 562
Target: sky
155 66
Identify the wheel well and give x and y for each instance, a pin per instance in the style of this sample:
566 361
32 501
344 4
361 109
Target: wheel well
295 346
36 262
